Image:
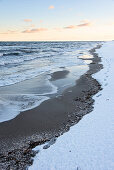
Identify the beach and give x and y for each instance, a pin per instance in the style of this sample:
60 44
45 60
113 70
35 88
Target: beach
89 144
50 119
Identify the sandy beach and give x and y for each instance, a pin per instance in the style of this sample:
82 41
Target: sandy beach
49 120
89 144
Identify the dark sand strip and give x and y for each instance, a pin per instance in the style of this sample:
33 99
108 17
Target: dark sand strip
51 119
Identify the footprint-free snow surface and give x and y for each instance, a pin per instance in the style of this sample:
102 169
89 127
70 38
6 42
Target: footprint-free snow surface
89 144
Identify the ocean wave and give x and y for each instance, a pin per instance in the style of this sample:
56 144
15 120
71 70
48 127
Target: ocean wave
11 54
37 58
25 72
22 59
28 51
11 61
12 105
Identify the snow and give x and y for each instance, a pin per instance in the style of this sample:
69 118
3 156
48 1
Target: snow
89 144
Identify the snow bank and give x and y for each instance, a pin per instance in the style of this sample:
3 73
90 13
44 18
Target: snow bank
89 144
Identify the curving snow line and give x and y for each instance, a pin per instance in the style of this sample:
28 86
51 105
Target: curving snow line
89 144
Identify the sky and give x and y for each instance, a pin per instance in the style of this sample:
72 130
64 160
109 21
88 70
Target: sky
56 20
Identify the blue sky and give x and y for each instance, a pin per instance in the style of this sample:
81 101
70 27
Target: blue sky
17 16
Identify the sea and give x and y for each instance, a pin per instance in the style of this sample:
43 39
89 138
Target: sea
26 70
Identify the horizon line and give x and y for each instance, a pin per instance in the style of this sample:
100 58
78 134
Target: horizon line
49 40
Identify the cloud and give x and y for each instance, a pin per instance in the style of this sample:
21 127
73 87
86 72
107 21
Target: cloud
8 32
70 27
36 30
27 20
83 24
87 24
51 7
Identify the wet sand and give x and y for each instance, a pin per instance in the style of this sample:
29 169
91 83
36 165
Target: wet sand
59 75
49 120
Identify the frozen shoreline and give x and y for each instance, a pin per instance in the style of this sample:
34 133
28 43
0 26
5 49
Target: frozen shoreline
89 144
35 127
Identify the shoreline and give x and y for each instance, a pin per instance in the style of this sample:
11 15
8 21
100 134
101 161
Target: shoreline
88 144
79 102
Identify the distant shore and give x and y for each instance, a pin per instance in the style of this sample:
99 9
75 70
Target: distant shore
49 120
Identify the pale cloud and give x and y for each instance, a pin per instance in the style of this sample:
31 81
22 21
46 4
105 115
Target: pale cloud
86 24
83 24
8 32
27 20
70 27
51 7
35 30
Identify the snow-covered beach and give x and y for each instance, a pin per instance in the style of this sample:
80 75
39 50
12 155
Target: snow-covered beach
53 117
89 144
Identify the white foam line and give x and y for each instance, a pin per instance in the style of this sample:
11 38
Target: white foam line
9 109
